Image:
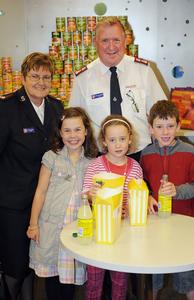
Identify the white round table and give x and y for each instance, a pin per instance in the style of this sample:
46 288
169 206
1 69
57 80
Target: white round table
162 246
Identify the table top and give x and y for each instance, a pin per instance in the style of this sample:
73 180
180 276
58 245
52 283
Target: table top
164 245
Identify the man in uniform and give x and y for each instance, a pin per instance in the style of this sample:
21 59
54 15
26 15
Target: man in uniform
139 88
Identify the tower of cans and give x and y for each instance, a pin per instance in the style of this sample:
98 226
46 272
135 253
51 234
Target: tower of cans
10 80
72 47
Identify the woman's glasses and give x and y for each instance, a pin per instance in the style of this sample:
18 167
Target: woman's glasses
36 78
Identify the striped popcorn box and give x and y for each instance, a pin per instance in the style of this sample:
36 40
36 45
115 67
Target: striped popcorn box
108 203
138 202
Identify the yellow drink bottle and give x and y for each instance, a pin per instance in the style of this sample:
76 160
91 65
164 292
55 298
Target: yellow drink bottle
164 201
85 222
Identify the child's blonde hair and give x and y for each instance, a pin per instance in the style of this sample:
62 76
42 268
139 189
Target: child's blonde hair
109 121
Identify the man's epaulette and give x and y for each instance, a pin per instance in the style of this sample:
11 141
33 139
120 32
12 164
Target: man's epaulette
83 69
141 61
6 96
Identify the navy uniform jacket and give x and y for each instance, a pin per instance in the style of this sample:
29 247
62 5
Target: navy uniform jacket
23 141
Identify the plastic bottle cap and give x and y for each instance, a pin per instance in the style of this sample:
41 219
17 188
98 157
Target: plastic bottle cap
74 234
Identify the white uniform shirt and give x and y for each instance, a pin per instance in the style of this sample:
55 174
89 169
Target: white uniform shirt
39 110
91 91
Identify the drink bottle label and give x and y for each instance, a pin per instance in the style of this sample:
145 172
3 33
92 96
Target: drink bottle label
85 228
164 203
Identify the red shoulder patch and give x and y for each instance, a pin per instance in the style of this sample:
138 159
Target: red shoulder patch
141 61
81 71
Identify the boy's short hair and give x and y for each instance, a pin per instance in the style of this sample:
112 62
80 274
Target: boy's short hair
163 109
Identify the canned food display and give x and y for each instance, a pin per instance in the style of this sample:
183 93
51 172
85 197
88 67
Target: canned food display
10 80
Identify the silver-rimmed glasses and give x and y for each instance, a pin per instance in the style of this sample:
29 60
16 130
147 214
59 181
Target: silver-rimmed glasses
36 78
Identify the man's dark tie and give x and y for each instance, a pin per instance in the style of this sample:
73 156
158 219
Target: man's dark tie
115 93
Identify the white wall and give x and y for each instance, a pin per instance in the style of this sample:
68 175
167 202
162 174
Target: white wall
27 27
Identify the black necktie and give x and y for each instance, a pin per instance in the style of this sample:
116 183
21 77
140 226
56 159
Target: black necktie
115 93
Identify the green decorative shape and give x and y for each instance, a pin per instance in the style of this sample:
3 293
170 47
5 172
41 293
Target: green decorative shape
100 9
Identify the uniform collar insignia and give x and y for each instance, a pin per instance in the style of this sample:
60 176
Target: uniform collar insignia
22 98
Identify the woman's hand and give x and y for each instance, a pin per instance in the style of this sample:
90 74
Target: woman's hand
151 203
33 233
